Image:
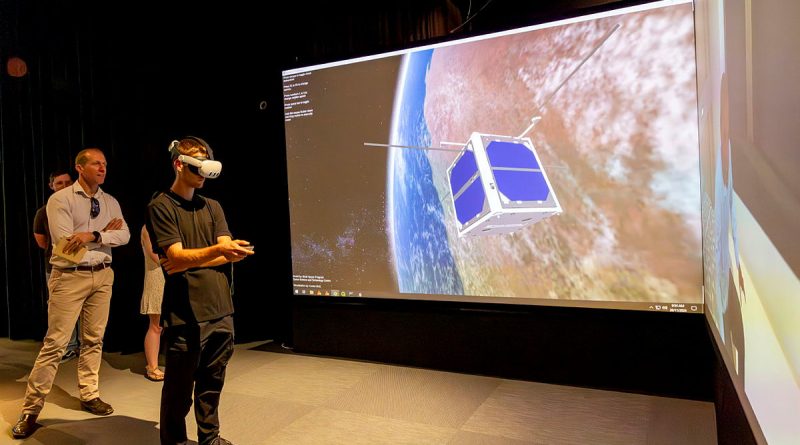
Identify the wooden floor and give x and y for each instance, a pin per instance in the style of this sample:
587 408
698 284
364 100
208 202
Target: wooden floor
285 398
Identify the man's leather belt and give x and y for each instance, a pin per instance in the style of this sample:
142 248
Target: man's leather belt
94 268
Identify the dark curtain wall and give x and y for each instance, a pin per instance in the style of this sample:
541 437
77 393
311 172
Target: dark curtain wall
44 116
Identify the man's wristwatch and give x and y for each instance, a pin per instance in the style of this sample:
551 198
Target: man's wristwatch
96 236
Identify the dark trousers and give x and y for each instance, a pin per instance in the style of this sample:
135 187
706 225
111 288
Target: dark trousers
197 355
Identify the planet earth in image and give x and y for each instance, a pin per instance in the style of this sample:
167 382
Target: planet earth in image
422 257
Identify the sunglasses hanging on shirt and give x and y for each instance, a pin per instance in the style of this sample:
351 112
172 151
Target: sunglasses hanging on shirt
95 208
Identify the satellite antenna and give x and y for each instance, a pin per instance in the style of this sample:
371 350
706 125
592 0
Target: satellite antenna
497 182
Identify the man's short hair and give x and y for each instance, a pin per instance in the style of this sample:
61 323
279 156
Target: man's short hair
82 157
191 147
56 173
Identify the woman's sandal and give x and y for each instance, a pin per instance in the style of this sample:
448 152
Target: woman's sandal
154 375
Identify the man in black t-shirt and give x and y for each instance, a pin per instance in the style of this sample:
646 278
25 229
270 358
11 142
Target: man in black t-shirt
191 235
41 233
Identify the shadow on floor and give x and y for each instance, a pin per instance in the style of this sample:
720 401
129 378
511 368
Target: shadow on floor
126 431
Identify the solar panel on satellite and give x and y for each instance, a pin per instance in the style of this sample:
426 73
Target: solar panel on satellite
516 171
470 203
511 155
463 171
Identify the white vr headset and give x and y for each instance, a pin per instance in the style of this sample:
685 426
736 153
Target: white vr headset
206 168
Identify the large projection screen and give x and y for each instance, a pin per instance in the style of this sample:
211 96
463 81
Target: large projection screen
552 165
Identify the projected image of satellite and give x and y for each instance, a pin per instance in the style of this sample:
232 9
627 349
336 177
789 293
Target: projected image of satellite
499 186
498 183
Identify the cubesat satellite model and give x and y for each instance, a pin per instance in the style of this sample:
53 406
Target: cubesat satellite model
499 186
497 182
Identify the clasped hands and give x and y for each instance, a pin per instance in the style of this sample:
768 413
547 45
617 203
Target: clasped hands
78 240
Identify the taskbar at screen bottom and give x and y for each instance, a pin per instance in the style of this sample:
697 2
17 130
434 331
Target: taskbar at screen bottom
690 307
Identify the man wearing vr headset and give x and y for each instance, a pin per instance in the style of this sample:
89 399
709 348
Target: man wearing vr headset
191 236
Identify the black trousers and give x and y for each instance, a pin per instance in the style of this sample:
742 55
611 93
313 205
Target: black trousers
197 356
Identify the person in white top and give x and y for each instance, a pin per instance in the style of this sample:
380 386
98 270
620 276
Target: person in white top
152 295
87 217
